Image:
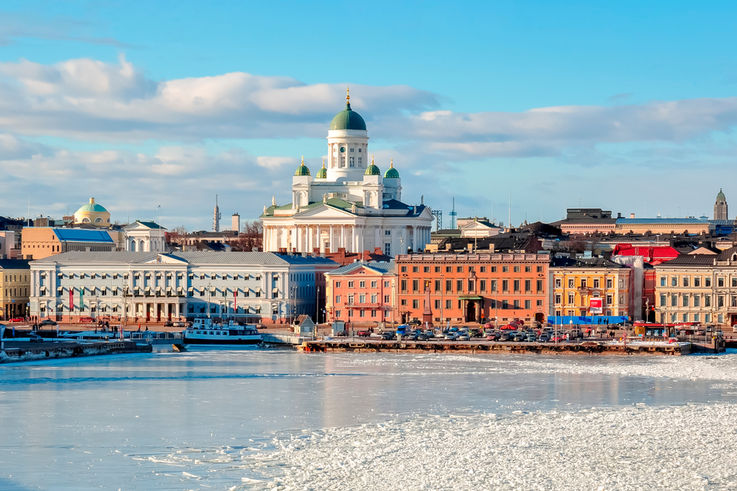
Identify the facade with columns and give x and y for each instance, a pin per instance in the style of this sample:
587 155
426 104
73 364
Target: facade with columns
347 204
142 287
145 237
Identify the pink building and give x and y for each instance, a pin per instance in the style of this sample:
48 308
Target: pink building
362 293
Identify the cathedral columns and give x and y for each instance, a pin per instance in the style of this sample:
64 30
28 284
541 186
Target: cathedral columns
330 240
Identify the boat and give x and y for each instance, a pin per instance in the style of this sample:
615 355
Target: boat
205 331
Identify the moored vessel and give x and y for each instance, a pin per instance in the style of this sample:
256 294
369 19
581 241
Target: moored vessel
205 331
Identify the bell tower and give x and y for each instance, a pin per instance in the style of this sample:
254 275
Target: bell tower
347 145
720 207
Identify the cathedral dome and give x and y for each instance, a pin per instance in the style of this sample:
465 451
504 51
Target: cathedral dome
720 196
302 170
391 172
372 170
323 172
348 119
92 213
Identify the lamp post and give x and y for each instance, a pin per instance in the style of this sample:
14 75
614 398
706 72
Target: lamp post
442 286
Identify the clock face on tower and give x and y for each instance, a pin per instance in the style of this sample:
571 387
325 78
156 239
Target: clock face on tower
342 149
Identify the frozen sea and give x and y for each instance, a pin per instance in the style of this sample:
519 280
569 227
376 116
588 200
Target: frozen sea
270 419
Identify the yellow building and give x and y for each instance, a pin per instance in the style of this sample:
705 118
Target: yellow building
92 214
577 281
15 285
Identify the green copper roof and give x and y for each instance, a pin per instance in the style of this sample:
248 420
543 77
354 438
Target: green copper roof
302 170
348 119
720 196
372 170
322 173
391 173
92 206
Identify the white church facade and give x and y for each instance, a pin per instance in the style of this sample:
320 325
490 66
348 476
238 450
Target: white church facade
347 204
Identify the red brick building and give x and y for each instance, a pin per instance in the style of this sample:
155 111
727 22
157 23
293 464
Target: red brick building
473 287
362 293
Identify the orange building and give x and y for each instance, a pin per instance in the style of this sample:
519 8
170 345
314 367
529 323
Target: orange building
40 242
361 293
474 287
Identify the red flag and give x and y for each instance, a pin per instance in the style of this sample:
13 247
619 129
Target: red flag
235 300
71 299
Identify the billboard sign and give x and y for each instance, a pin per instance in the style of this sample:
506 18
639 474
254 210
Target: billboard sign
596 305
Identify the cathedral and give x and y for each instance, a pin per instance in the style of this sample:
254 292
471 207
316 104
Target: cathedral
347 204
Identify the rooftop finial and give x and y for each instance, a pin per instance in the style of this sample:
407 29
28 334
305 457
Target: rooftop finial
391 163
372 159
348 95
302 160
323 162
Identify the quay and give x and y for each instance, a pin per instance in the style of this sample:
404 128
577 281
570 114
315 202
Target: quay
18 351
587 347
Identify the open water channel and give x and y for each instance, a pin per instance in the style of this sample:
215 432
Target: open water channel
264 419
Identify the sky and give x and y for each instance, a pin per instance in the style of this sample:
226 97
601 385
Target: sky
514 109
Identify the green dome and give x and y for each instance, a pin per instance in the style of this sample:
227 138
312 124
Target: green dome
348 119
302 170
92 206
720 196
391 172
322 173
372 170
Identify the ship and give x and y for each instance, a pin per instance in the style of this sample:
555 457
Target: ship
205 331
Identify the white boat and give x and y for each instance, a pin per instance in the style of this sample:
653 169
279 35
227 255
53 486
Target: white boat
205 331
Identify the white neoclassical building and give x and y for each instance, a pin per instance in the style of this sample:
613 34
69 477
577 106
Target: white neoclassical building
145 237
347 204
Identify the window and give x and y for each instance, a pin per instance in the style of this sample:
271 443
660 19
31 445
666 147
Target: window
528 285
482 285
674 281
415 304
571 283
686 281
374 298
350 299
415 285
516 304
697 300
734 281
448 304
362 298
571 298
707 301
404 269
720 301
426 269
609 299
516 269
685 300
697 281
528 304
516 285
437 285
596 283
373 284
663 299
448 285
505 269
720 282
583 282
459 269
493 285
361 284
707 281
505 285
557 298
337 284
337 299
528 269
539 286
459 285
674 300
557 283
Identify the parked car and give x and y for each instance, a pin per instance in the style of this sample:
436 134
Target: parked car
558 338
86 319
544 337
17 319
451 336
422 337
520 336
415 322
387 335
505 336
363 334
463 337
47 322
429 333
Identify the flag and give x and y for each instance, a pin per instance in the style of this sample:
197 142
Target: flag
81 299
235 300
71 299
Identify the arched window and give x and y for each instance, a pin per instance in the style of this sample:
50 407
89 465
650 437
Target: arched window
133 245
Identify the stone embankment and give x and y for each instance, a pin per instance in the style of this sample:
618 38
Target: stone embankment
25 351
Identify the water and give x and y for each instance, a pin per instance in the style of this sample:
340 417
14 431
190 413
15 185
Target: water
245 419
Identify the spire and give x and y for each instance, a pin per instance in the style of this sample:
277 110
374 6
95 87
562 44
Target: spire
323 162
273 200
391 163
348 98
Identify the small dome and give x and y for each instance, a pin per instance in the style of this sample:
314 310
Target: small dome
391 172
720 196
92 207
372 170
302 170
323 172
348 119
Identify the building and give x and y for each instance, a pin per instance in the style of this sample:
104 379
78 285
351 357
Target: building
699 288
362 293
347 203
720 207
145 237
655 226
15 285
9 244
92 214
591 286
473 287
41 242
478 228
139 287
587 221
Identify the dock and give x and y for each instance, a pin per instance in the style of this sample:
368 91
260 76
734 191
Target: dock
477 347
24 351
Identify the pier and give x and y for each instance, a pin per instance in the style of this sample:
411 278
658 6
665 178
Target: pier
568 348
17 351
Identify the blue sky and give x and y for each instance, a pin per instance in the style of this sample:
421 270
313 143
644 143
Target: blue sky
629 106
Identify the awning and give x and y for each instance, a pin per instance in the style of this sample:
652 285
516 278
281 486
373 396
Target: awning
467 297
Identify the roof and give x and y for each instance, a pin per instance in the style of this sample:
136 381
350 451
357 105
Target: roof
585 262
14 264
391 172
192 257
152 225
348 119
322 173
720 196
92 207
381 267
689 260
82 235
372 170
634 221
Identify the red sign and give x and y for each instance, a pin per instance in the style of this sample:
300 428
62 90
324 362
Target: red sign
596 305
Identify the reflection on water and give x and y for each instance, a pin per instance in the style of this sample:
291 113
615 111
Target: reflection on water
117 421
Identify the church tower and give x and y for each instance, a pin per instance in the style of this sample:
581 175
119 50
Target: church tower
347 145
720 207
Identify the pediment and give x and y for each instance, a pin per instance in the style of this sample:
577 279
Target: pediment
166 259
324 212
